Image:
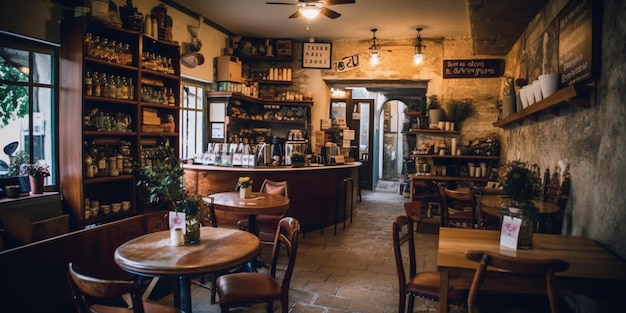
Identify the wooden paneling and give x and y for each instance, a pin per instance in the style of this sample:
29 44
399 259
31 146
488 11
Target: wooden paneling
34 277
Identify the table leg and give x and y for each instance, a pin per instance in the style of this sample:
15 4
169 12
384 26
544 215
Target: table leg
443 292
252 224
185 294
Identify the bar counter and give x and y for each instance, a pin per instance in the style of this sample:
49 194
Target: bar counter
314 191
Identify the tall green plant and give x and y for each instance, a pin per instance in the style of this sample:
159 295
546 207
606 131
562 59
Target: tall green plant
13 98
459 111
163 182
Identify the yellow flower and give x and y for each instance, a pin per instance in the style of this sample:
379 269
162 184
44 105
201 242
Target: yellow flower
243 182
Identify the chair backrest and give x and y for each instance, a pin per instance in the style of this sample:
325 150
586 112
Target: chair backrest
403 234
275 187
527 267
84 287
456 200
286 236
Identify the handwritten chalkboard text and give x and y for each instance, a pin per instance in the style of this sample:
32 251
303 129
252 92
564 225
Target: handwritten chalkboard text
478 68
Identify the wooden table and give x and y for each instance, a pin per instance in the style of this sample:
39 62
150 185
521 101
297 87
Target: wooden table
259 203
490 204
593 270
218 249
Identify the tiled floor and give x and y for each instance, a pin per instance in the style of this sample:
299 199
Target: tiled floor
354 271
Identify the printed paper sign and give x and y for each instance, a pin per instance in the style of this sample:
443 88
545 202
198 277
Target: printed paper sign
177 220
510 231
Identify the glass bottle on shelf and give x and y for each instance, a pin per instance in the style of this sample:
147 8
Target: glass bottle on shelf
97 89
131 89
88 84
88 44
104 85
112 86
125 90
118 87
95 47
128 56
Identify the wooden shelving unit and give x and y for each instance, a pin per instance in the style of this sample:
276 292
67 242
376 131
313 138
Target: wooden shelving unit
578 95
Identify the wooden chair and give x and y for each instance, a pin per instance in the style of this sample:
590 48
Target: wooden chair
458 207
247 288
485 221
416 284
266 223
526 267
87 289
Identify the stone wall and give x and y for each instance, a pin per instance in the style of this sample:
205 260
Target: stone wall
588 140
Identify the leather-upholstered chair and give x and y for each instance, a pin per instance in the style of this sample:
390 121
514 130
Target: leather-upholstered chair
266 223
247 288
87 288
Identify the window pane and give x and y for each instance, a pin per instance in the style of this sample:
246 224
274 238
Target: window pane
43 68
43 138
13 65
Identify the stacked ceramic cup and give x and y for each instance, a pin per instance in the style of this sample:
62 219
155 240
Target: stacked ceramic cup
539 89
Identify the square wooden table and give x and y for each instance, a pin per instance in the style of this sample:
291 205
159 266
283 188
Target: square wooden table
593 270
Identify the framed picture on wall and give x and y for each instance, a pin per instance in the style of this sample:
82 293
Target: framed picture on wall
316 55
283 47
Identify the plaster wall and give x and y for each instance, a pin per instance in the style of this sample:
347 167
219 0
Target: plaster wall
588 140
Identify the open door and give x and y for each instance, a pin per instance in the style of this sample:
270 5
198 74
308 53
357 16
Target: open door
363 123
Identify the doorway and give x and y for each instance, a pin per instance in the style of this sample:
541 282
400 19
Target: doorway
392 121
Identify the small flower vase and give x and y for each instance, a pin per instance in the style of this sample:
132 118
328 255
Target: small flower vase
192 230
36 184
244 193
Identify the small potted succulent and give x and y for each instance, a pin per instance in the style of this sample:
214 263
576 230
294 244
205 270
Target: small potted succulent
37 173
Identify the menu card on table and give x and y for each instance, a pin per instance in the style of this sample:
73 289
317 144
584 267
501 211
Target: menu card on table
510 231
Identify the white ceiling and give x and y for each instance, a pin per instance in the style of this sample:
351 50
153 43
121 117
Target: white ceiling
394 19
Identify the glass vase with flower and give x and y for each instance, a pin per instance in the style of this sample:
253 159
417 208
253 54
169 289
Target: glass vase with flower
521 186
244 186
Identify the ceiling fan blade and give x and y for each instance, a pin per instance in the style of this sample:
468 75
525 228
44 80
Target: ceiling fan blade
295 14
329 13
285 3
333 2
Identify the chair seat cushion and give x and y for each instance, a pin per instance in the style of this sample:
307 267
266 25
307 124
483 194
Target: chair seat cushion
247 287
426 284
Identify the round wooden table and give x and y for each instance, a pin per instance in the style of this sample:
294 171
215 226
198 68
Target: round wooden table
219 249
258 203
491 204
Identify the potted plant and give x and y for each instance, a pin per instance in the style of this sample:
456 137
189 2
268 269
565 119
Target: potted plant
244 186
521 186
37 173
435 112
163 185
458 111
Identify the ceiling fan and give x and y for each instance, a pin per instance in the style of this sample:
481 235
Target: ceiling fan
311 8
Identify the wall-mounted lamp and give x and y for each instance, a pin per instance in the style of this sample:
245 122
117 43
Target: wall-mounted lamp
310 12
418 57
374 48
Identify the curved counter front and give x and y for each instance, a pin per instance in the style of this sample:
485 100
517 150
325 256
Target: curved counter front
314 192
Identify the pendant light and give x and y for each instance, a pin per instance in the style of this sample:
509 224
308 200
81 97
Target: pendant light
418 57
374 48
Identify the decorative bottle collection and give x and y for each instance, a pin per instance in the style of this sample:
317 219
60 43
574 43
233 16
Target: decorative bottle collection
109 86
108 50
155 62
107 160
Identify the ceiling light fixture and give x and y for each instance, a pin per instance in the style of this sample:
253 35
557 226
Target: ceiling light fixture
374 48
418 57
310 12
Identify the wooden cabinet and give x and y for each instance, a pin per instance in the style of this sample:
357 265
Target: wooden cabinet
251 120
119 98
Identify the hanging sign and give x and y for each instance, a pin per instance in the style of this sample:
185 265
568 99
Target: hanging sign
348 63
477 68
576 43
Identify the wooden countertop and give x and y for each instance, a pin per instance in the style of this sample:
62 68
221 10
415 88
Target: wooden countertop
269 168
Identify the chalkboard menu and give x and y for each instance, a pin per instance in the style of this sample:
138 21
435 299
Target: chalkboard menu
576 43
477 68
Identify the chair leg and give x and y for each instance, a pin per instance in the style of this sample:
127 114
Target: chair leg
411 304
402 303
269 307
